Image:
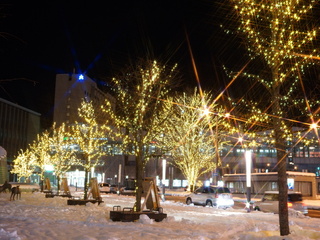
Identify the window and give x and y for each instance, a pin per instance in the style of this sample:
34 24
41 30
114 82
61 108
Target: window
205 190
271 197
274 186
294 197
199 190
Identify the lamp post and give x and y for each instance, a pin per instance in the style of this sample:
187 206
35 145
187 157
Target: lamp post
120 176
248 178
115 178
164 165
77 178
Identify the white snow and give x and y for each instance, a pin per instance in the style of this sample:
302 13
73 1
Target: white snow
37 217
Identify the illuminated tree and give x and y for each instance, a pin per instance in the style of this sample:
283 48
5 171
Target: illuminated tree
35 158
281 36
89 136
63 153
189 133
138 96
25 164
41 150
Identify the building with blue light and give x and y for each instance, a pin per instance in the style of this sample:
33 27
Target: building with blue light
72 88
69 91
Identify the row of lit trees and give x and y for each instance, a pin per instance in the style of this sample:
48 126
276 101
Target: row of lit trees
142 112
49 149
278 35
64 146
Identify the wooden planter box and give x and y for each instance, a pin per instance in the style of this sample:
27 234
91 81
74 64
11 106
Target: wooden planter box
64 195
82 201
128 215
49 195
52 195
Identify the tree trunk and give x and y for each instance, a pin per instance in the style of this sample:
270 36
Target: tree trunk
283 194
42 180
139 171
86 184
58 184
281 164
41 185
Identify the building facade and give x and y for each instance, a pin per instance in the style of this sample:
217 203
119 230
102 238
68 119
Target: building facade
297 181
19 126
69 91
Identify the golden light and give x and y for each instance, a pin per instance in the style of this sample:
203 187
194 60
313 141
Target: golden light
314 126
205 112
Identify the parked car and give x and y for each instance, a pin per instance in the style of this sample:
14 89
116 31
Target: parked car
127 191
220 197
270 202
132 191
104 187
114 188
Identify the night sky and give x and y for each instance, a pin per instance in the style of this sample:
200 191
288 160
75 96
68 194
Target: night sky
100 38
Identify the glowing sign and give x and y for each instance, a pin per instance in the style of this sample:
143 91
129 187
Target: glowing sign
290 183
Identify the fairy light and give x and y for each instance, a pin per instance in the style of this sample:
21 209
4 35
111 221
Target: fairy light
89 136
138 96
194 142
276 32
285 39
25 164
63 155
36 156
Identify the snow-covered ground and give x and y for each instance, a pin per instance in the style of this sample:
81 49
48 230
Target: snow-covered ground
37 217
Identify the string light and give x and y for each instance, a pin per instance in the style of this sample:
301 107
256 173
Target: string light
277 33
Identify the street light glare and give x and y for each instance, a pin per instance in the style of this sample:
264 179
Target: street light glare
314 125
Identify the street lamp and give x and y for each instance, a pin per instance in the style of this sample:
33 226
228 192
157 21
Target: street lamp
164 165
248 178
120 176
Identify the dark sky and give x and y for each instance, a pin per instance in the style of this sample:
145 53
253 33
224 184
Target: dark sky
99 38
